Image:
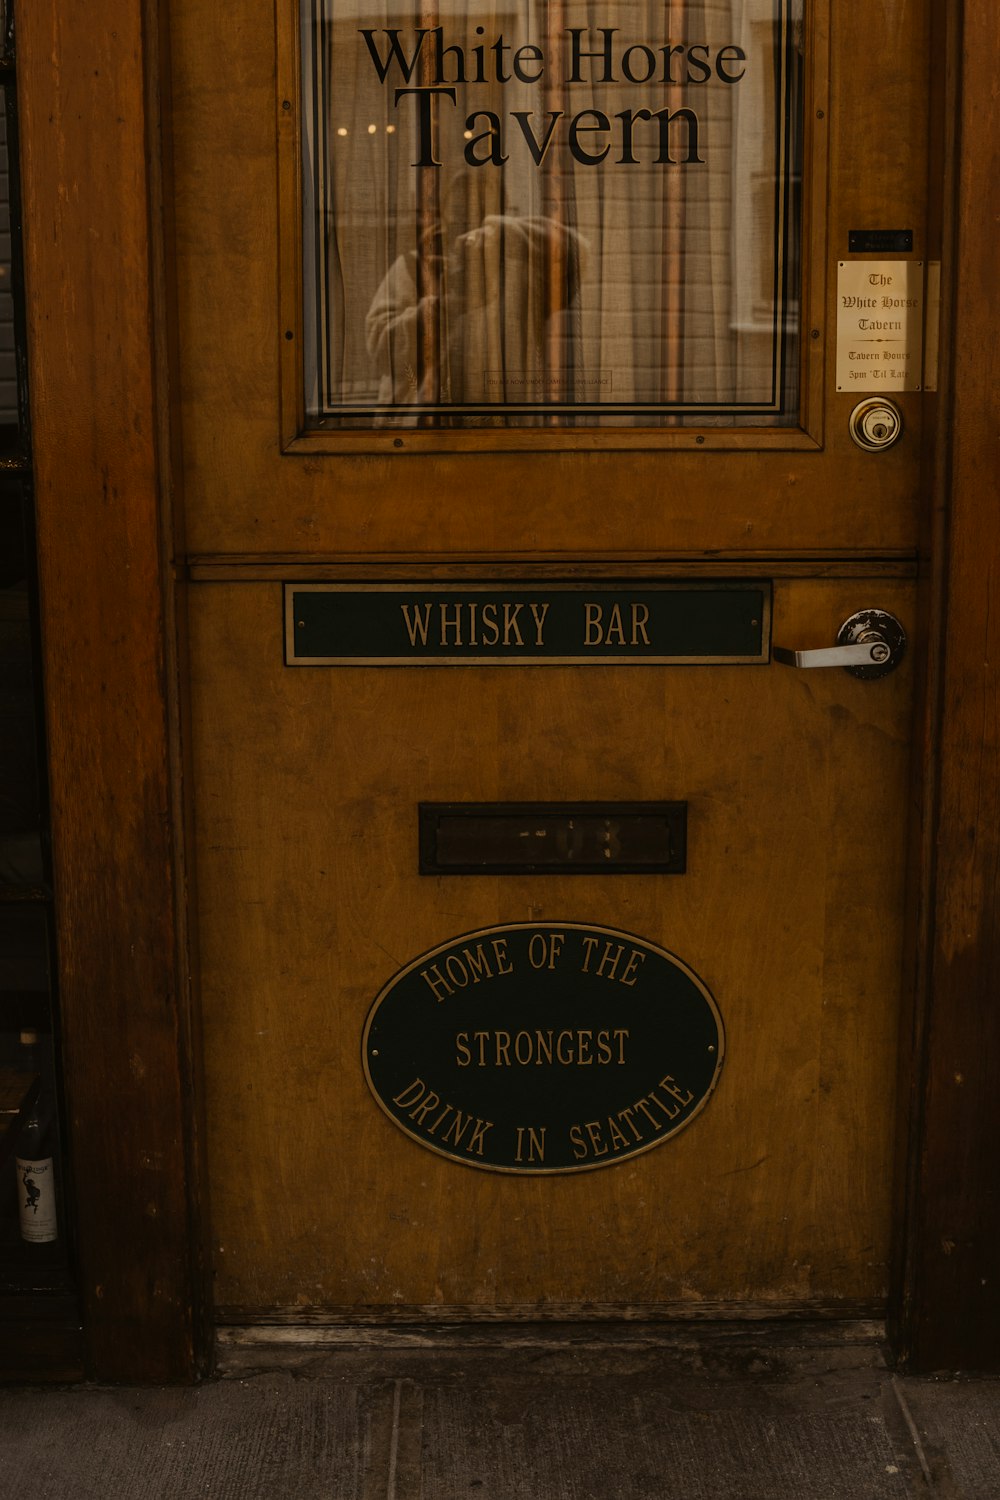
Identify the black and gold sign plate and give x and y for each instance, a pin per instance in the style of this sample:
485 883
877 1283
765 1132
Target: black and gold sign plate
544 623
553 838
543 1047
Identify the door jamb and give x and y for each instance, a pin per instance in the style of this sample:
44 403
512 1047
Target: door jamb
945 1304
96 288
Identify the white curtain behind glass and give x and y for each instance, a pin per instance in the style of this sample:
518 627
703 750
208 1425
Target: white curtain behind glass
519 285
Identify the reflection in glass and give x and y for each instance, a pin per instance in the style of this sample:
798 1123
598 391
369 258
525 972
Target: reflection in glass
545 212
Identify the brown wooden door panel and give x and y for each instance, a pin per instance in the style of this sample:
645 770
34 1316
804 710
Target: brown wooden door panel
307 789
307 781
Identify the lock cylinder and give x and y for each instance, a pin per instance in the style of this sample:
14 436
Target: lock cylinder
875 424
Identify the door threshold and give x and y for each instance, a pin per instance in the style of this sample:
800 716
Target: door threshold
237 1344
413 1351
400 1315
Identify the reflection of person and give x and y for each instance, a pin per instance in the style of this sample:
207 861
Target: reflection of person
487 291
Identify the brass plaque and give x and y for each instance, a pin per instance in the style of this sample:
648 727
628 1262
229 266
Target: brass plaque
543 1047
548 622
880 319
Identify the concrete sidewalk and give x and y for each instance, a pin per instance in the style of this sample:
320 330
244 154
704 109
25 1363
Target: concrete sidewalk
629 1412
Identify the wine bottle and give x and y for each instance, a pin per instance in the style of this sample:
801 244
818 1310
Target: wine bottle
35 1154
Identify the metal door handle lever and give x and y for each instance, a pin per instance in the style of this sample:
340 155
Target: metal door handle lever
869 654
869 644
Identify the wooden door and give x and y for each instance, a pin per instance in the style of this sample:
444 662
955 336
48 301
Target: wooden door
307 782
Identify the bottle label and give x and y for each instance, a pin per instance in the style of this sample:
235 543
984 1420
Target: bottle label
36 1200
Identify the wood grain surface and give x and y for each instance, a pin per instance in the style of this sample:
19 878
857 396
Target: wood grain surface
307 790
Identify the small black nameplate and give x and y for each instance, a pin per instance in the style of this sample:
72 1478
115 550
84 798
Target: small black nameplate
544 623
880 241
553 838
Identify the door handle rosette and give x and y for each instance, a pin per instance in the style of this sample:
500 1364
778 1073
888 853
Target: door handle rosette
870 644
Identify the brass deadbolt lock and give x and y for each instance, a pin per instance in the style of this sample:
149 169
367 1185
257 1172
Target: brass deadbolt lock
875 424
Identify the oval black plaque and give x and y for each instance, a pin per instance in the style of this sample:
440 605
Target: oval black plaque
543 1047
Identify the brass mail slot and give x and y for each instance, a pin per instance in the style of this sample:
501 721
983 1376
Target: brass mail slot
553 838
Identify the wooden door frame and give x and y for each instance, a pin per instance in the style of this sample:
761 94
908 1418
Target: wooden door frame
97 289
945 1304
111 566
